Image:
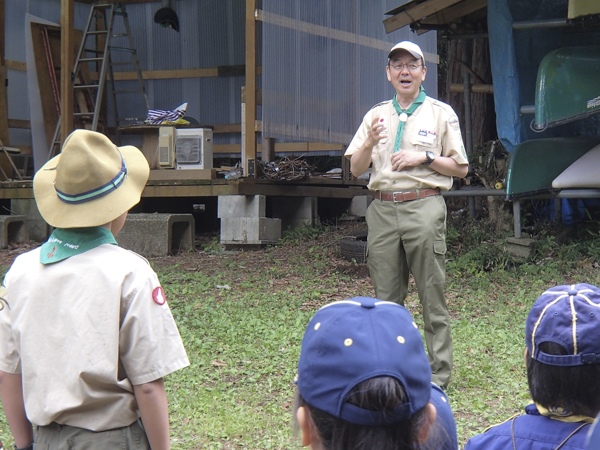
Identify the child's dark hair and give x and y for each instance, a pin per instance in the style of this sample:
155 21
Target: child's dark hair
574 388
375 394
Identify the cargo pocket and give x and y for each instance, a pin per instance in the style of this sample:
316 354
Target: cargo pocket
439 249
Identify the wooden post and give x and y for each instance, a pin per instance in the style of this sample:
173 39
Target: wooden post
249 118
267 151
3 103
67 62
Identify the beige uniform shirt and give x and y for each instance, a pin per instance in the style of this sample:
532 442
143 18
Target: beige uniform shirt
433 126
83 331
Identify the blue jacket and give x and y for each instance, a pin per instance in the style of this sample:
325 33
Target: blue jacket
444 420
532 431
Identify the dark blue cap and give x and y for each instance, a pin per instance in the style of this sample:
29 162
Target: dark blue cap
569 316
354 340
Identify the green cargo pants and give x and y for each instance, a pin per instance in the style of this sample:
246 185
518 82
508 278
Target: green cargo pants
412 236
65 437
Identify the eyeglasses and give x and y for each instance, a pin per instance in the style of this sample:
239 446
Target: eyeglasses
412 67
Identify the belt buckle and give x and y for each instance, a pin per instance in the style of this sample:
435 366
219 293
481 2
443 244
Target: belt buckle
394 197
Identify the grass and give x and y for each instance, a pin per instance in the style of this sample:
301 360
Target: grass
242 315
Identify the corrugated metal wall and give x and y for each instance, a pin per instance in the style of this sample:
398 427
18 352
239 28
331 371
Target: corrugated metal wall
316 83
324 66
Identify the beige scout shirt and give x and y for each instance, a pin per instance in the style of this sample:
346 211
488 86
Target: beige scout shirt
83 331
433 126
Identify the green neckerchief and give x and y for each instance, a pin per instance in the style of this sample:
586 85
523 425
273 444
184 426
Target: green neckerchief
411 109
66 242
558 413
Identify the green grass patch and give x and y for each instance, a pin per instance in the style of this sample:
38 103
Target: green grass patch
242 315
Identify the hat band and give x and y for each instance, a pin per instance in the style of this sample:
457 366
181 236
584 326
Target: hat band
95 193
567 360
360 416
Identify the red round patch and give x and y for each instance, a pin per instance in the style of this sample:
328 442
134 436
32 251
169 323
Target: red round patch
158 295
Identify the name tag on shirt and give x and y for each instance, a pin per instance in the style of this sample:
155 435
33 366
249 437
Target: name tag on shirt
425 140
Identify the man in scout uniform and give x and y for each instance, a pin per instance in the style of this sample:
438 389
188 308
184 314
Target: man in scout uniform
86 336
562 357
415 147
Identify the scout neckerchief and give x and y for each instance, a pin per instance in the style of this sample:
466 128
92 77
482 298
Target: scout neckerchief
67 242
403 115
562 414
556 413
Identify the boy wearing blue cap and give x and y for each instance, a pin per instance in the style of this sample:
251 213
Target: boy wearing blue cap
86 335
364 382
563 369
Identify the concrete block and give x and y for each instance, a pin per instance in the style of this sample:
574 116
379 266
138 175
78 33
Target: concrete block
520 248
296 211
158 234
13 230
358 205
37 228
234 206
250 230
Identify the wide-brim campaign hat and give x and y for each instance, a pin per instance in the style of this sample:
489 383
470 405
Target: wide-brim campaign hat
91 183
568 316
354 340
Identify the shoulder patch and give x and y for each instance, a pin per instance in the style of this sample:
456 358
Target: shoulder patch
158 295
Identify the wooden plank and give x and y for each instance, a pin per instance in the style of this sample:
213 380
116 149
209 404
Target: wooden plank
221 71
16 65
227 128
475 88
324 147
183 174
413 12
19 123
166 74
455 12
67 64
249 147
227 148
293 147
3 101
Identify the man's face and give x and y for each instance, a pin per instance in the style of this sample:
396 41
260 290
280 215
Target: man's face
406 73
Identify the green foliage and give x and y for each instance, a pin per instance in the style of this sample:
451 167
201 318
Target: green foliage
213 246
302 233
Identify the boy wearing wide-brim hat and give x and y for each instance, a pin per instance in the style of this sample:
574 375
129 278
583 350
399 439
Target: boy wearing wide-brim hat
86 335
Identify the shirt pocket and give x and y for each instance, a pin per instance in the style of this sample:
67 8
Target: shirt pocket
424 140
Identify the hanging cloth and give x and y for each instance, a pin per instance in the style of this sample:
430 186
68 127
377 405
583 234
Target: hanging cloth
403 115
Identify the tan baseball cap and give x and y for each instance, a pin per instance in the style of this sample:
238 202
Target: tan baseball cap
410 47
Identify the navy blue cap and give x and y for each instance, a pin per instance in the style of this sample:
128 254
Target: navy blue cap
569 316
354 340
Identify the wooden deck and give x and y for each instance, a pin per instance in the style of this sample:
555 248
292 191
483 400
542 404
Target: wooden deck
181 187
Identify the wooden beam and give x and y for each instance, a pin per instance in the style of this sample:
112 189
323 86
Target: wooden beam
3 101
227 128
249 149
16 65
413 12
221 71
67 61
19 123
475 88
455 12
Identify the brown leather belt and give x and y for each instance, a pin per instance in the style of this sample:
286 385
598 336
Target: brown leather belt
399 197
